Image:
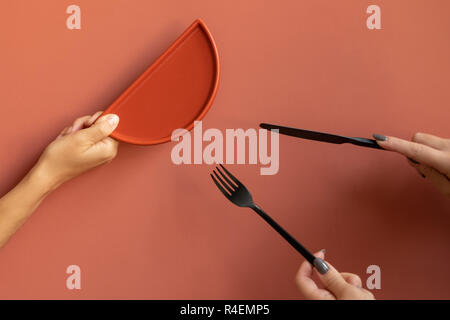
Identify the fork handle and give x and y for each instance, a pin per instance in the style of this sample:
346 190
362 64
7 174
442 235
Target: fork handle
303 251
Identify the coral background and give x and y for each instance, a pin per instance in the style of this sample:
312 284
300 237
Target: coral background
144 228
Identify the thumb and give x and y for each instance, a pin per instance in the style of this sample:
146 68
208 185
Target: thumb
102 128
331 278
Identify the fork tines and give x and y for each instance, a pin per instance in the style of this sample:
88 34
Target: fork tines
226 186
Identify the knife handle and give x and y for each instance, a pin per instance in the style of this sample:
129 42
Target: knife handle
363 142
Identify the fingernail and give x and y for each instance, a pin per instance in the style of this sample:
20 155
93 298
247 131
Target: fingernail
323 250
413 161
359 287
112 119
321 266
379 137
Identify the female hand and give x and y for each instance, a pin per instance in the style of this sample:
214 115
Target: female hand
337 286
78 148
429 154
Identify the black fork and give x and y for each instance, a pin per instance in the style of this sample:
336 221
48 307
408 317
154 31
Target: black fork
237 193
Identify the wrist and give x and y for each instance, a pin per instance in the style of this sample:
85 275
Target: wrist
40 178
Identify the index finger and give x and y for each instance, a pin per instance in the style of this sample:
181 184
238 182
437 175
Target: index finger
417 151
77 124
92 119
306 285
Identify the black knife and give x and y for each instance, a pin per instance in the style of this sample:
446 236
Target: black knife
322 136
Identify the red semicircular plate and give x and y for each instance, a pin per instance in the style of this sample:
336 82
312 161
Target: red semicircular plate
176 90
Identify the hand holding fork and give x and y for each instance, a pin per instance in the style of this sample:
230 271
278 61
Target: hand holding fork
336 285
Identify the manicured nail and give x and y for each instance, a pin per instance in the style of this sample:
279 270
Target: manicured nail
413 161
379 137
323 250
321 266
112 119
